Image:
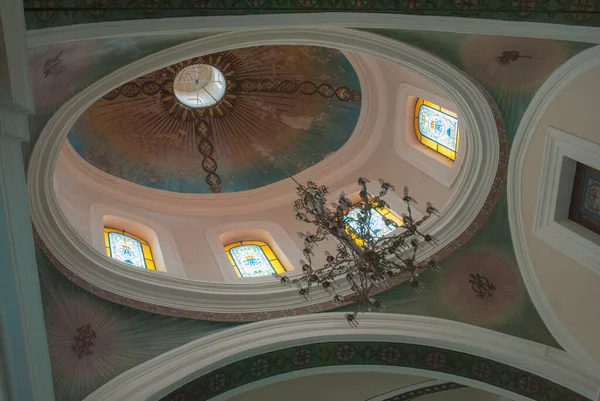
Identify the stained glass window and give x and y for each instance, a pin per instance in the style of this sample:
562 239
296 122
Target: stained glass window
253 259
381 222
128 248
437 128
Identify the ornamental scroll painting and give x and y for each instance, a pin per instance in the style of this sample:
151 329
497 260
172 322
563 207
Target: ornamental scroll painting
437 128
251 261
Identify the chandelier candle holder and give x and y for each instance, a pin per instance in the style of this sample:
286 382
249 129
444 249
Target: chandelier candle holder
366 256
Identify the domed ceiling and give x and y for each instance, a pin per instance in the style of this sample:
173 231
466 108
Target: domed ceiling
285 108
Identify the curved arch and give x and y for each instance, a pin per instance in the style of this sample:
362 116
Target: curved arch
465 213
574 67
422 337
98 30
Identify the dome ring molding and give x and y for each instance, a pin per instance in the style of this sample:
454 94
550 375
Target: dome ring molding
484 170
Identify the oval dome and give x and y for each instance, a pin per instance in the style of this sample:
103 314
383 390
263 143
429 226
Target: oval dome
285 108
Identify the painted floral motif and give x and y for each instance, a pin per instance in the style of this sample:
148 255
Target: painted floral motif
83 341
259 367
216 382
390 355
497 267
302 357
436 360
530 384
345 353
523 8
481 370
581 9
466 4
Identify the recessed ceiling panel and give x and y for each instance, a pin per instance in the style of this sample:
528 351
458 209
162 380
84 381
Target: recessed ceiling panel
285 108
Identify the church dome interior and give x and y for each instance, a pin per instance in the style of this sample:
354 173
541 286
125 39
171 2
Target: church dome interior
354 201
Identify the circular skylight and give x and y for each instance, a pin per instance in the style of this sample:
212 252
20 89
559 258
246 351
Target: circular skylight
199 85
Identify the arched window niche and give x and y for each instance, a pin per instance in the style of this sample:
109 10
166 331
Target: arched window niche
437 128
160 242
253 258
393 212
128 248
438 159
382 221
260 243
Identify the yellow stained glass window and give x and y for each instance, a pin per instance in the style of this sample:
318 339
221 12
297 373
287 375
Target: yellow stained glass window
128 248
253 259
381 222
437 128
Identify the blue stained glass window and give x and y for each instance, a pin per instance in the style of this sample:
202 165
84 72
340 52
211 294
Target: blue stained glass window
376 222
437 128
126 249
251 261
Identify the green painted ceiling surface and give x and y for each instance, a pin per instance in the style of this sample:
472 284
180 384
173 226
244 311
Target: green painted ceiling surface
51 13
126 337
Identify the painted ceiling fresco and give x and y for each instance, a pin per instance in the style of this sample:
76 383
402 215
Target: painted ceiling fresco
494 297
285 109
49 13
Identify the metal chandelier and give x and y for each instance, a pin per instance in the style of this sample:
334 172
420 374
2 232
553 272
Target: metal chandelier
363 257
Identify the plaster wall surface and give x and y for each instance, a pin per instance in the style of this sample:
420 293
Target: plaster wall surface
571 289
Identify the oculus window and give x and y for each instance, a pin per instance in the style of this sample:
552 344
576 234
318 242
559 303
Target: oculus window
381 222
128 248
253 259
437 128
199 85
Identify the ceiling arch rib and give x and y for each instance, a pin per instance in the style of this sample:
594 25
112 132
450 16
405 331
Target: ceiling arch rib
465 212
557 317
440 349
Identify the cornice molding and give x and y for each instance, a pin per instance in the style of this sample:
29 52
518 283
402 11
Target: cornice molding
476 190
169 371
162 26
545 95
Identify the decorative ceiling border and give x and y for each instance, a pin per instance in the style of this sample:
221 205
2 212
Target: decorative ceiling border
218 24
545 95
251 356
41 15
477 190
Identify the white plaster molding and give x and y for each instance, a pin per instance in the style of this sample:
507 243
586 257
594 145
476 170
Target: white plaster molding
273 234
359 148
438 377
573 68
216 24
163 374
160 239
410 149
407 389
551 223
79 258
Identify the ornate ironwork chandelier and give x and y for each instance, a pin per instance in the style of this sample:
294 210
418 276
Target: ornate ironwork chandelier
364 256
